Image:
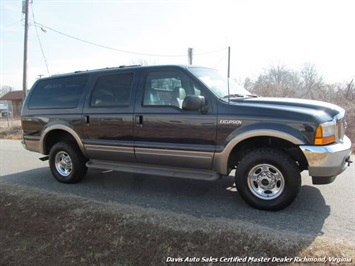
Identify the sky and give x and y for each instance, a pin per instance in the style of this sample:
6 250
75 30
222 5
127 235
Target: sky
71 35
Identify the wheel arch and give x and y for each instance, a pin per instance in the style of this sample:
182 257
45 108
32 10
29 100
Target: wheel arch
55 133
237 147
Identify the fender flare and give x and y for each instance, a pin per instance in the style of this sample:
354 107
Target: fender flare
220 162
63 127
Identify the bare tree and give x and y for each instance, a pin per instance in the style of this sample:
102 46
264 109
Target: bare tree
5 89
276 81
312 84
350 90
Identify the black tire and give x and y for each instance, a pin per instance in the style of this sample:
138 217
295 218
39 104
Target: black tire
268 179
67 163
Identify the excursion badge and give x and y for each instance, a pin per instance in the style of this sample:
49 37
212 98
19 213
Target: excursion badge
230 122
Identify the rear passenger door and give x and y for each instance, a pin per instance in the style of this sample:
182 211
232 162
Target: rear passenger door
165 134
108 118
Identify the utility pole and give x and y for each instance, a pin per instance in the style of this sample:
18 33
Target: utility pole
25 5
190 54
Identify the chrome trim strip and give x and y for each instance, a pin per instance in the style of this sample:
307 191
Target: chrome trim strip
105 148
31 138
174 153
175 146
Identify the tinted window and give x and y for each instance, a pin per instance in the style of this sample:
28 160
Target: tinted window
112 90
164 88
168 88
57 93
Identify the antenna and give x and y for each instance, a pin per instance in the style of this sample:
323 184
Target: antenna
228 71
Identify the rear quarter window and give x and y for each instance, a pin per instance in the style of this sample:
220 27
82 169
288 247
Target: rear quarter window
112 90
59 93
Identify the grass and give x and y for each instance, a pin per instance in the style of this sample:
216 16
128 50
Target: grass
41 228
10 129
12 133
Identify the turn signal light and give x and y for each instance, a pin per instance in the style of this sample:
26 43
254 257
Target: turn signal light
325 134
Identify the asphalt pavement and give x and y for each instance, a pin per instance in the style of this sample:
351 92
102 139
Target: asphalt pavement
323 210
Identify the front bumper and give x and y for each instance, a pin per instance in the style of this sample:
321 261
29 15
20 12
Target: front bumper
326 162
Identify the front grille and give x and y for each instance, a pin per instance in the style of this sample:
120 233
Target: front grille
340 128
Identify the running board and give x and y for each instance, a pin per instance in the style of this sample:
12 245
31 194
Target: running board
154 170
45 158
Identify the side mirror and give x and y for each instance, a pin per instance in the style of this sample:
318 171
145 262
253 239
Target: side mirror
193 103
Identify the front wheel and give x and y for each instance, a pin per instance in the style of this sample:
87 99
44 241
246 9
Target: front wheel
67 163
268 179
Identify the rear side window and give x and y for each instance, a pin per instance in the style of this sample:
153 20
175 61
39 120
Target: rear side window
61 93
112 90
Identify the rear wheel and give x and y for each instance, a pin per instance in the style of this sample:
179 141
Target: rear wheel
67 163
268 179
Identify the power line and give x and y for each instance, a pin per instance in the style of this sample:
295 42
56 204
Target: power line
211 52
100 45
119 50
222 58
11 24
39 40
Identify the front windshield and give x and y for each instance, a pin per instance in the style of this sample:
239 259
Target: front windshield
218 84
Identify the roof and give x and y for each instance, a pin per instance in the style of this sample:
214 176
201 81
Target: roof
116 68
12 96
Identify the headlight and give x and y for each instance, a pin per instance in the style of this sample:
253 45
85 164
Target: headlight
325 133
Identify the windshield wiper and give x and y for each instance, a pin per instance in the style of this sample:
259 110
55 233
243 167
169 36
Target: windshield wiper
234 96
239 96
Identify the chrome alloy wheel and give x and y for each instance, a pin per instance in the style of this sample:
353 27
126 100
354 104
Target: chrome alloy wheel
266 181
63 163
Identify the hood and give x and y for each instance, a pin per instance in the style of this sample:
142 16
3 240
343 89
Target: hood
292 108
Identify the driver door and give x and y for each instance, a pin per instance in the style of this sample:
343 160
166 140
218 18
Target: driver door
164 133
